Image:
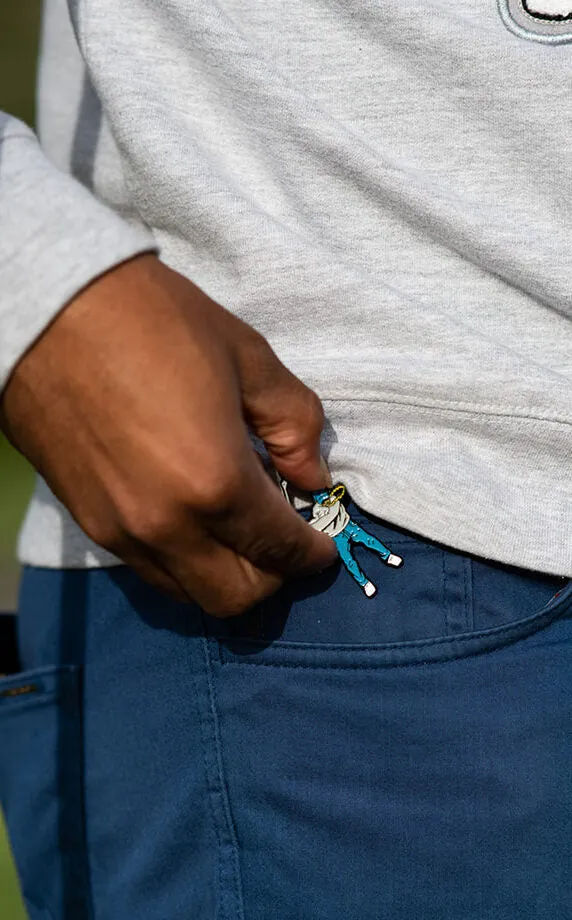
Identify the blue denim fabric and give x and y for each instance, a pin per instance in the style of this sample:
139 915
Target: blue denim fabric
326 756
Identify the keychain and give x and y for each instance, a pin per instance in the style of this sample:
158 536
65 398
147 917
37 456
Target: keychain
331 517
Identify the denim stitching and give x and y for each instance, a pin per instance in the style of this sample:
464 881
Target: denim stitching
388 664
232 842
465 596
80 689
444 588
414 643
216 788
64 693
204 746
473 590
521 629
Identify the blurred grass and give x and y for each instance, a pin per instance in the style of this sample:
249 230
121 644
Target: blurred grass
11 907
19 25
19 21
16 481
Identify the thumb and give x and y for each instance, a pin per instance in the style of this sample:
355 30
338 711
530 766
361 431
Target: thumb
289 417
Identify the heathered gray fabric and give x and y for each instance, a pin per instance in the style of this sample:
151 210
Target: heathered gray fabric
384 190
54 238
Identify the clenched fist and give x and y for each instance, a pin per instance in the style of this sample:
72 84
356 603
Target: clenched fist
135 404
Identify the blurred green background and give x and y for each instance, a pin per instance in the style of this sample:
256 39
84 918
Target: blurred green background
19 25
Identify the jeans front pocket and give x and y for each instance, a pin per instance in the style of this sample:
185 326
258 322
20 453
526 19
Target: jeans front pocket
41 789
428 777
441 604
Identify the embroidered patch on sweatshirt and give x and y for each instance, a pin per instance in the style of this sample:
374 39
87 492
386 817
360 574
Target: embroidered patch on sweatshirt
547 21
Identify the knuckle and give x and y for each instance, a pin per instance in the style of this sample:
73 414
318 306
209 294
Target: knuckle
216 491
148 523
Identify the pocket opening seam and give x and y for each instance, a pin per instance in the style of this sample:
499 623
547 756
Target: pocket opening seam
412 643
504 636
311 666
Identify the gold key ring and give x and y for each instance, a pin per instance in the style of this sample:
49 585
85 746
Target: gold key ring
336 495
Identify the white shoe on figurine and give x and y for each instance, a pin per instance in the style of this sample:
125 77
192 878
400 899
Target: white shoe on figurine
369 589
392 559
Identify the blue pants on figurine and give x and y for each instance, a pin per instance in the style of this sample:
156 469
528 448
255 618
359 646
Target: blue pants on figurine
353 533
330 516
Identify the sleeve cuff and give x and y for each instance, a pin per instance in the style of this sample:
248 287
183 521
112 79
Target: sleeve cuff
55 238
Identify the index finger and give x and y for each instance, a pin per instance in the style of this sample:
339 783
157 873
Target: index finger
259 524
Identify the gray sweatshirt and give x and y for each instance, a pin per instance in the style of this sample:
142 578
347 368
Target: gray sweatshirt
384 190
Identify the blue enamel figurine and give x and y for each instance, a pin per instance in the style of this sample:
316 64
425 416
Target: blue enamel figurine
331 517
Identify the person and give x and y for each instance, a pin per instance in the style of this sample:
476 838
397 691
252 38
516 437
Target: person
329 515
329 240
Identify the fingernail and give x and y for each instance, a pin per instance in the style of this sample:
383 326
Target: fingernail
326 472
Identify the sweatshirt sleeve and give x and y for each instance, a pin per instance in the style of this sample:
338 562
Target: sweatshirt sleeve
55 237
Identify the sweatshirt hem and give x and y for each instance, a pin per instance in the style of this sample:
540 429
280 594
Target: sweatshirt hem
496 488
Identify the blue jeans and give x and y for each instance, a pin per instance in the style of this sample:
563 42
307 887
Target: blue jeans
325 756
